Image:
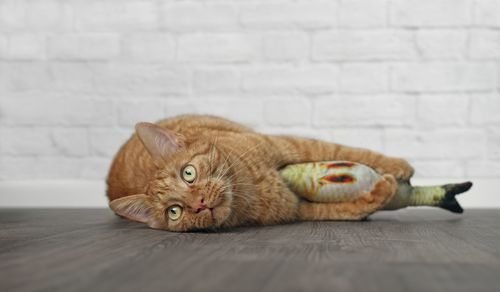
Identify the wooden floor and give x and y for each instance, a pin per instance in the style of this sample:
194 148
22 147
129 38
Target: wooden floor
92 250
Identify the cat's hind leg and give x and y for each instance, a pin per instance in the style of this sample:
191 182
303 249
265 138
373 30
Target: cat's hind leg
357 209
291 150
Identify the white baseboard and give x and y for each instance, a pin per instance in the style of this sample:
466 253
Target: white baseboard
88 194
53 193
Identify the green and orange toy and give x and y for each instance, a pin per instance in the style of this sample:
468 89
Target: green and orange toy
337 181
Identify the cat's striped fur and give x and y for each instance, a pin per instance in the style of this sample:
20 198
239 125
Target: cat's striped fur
237 176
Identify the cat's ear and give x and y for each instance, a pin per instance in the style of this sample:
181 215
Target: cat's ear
136 207
159 142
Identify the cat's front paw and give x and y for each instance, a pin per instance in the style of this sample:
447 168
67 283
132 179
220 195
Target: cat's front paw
399 168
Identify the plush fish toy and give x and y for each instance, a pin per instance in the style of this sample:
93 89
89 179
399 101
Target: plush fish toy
337 181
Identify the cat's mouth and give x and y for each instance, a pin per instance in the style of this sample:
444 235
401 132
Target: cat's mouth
212 214
217 213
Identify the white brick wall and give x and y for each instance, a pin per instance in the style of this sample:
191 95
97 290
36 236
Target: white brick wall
412 78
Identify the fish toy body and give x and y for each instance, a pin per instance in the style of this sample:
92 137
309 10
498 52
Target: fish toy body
339 181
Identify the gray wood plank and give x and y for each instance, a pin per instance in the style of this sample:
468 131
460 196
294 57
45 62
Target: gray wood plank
91 249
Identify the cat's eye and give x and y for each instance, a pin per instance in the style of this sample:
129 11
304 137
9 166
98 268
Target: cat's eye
189 173
174 212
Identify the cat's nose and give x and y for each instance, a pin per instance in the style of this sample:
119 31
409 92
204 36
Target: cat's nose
199 205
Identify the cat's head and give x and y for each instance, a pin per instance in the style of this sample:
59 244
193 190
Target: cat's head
191 189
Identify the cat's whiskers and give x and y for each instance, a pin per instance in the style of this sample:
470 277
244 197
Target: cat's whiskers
237 188
241 196
252 163
210 158
238 159
242 184
240 201
222 169
234 187
223 165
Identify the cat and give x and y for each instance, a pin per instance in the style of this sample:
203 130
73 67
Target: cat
196 172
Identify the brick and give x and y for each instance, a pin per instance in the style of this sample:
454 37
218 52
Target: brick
438 168
25 46
439 144
285 46
484 44
180 16
216 81
175 106
122 77
345 45
483 168
442 109
493 144
296 131
117 15
148 47
364 138
246 111
105 142
26 141
35 76
363 110
429 13
130 112
364 77
23 76
71 76
485 109
216 48
441 43
486 13
438 77
287 112
40 167
53 168
290 15
63 110
360 13
70 141
312 79
94 168
84 46
49 15
40 15
4 46
12 14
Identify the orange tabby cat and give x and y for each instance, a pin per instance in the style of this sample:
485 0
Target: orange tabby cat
197 172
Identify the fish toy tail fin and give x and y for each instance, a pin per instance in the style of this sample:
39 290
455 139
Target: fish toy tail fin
449 201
